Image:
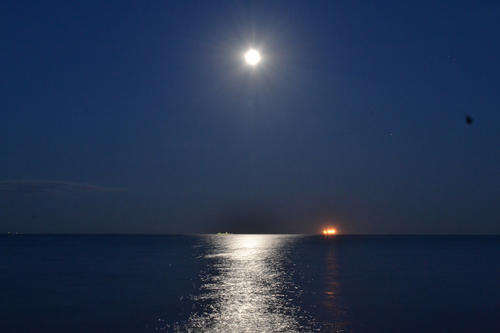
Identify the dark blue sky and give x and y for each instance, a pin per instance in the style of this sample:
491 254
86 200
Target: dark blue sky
128 116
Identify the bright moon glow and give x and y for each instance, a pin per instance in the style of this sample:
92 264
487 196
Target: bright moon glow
329 231
252 57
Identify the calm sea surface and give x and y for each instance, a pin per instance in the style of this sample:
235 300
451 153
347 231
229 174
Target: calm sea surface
249 283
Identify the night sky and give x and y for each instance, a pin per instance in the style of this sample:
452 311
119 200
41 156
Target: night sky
141 116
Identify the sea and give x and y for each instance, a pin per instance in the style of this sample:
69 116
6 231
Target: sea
249 283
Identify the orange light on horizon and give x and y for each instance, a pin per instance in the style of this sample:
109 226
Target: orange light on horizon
329 231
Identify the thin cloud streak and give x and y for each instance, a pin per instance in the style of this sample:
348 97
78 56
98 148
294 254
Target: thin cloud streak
30 186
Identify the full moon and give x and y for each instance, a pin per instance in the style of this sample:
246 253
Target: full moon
252 57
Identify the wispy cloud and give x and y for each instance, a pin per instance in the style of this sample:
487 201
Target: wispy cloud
28 186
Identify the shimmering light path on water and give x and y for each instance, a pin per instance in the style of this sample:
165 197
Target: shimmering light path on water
247 288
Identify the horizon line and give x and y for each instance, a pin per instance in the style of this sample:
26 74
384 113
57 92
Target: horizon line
224 233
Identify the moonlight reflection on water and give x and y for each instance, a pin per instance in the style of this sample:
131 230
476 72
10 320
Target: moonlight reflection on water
246 289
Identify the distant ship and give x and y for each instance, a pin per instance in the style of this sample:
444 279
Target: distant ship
329 232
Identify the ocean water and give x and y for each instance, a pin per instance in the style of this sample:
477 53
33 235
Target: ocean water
249 283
